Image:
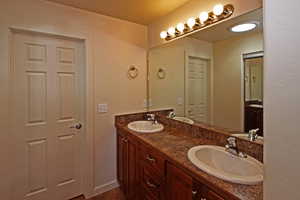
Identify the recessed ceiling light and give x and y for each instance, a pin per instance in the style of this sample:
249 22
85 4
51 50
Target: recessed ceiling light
244 27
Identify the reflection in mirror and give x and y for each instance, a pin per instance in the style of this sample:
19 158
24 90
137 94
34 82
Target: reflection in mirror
212 76
253 85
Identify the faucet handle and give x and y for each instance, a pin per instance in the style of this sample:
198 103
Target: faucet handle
252 135
254 131
231 141
150 116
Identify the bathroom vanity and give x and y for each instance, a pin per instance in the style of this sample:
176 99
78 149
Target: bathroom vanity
155 166
208 79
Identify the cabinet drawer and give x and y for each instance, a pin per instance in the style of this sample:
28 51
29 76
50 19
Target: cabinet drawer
153 160
148 197
151 183
208 194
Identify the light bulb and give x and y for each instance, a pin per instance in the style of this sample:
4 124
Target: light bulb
163 34
218 9
191 22
171 31
203 17
180 27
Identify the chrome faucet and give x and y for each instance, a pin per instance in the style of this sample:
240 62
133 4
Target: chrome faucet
151 117
232 148
172 114
252 135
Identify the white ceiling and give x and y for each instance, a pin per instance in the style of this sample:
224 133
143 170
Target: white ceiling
138 11
221 31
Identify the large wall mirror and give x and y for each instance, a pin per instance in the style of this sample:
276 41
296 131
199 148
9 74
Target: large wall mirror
213 76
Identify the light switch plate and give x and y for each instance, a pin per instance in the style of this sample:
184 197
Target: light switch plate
102 108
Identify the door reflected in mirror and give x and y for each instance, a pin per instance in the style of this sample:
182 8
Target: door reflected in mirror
214 76
253 84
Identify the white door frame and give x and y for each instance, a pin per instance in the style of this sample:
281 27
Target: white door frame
210 88
87 152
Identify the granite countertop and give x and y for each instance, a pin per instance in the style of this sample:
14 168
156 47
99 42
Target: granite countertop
175 145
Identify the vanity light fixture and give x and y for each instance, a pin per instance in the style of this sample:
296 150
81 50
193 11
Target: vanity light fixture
218 9
204 19
180 27
244 27
163 34
191 22
171 31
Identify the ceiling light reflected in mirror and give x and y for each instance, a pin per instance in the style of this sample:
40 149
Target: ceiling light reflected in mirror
244 27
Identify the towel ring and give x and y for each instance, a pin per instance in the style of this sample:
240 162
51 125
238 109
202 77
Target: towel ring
161 73
133 72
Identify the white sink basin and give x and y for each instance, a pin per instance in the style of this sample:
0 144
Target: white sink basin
245 136
216 161
184 119
145 126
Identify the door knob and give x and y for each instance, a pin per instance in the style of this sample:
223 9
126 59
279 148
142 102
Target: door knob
77 126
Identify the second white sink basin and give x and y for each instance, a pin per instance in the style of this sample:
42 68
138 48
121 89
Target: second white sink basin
216 161
145 126
184 119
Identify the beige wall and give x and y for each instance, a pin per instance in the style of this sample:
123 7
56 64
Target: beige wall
164 93
228 85
112 45
282 97
192 9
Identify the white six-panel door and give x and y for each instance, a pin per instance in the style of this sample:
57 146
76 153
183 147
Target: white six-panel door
47 103
196 89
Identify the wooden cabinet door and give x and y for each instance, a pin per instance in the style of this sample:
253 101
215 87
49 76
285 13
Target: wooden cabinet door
127 164
132 182
122 162
179 185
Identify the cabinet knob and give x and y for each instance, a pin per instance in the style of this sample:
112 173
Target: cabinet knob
151 184
150 158
194 192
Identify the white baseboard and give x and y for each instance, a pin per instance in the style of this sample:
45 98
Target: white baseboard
104 188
